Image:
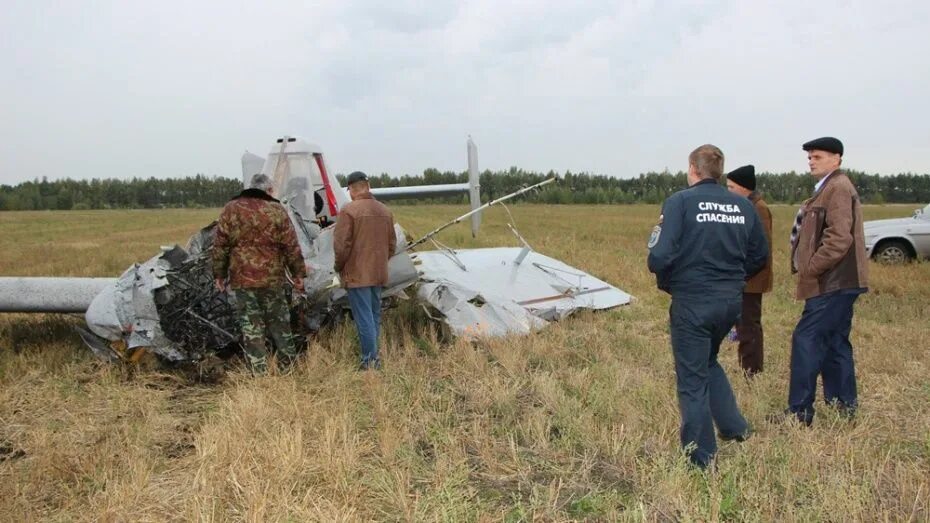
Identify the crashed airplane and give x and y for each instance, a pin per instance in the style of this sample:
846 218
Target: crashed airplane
169 306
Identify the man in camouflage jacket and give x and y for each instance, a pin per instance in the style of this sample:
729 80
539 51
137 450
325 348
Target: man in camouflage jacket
255 243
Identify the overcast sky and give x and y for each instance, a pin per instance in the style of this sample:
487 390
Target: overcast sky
121 89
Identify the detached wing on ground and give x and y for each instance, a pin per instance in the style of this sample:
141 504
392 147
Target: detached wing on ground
499 291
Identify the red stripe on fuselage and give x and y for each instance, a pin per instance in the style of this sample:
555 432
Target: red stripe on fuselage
330 197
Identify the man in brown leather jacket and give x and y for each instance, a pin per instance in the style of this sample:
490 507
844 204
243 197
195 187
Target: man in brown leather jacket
742 181
828 253
364 241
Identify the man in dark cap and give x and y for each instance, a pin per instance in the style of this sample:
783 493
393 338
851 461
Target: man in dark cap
742 181
828 254
364 241
706 243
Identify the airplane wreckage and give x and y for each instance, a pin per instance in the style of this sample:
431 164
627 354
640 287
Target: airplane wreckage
169 306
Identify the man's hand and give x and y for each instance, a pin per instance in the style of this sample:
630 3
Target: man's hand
220 284
299 285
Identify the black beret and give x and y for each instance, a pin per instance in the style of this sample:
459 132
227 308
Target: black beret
827 143
744 176
357 176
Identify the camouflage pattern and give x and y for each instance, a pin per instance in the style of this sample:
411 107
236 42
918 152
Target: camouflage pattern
255 241
260 311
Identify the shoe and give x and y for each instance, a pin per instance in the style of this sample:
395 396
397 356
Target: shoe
739 438
702 467
370 365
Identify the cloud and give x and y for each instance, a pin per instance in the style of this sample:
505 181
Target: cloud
103 89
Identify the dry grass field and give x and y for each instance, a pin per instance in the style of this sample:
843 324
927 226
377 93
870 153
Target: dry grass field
578 422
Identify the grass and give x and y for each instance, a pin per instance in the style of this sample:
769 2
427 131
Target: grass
578 422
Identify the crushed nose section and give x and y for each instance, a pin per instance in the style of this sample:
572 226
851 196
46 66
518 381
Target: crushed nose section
126 309
193 314
108 315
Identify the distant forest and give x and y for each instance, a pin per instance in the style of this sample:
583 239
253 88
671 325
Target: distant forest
583 188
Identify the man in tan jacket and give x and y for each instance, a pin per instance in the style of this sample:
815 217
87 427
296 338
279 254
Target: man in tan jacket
828 254
364 241
742 181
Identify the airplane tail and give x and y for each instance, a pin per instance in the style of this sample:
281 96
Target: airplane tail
251 165
474 186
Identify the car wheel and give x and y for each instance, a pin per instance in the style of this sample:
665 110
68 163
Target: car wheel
893 253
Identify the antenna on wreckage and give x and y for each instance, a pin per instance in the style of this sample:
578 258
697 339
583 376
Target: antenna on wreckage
477 210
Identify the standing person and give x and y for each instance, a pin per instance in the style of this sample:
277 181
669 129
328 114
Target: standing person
828 254
255 243
742 181
706 243
364 241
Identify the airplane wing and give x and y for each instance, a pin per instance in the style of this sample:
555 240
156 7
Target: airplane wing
507 290
420 191
39 294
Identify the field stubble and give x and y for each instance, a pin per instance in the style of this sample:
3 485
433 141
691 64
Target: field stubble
577 422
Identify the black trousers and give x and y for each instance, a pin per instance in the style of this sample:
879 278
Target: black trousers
820 346
749 333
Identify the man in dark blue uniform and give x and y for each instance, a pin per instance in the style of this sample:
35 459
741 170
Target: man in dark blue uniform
706 244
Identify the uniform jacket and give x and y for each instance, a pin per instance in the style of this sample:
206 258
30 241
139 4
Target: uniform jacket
364 241
829 253
708 242
762 281
255 241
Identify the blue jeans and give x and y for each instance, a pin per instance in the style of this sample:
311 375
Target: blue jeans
366 311
698 325
820 346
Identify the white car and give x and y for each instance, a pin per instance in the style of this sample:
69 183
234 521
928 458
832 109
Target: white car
900 239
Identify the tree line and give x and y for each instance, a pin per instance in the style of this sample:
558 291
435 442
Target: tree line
654 187
136 193
573 188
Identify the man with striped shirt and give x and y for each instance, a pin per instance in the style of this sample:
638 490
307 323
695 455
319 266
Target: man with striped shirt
828 254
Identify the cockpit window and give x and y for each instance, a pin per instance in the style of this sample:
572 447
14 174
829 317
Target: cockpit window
296 179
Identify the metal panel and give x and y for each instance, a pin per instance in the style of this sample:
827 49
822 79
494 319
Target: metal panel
500 280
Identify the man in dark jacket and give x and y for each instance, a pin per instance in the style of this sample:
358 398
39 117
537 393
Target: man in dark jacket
364 241
742 181
255 244
706 243
828 254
